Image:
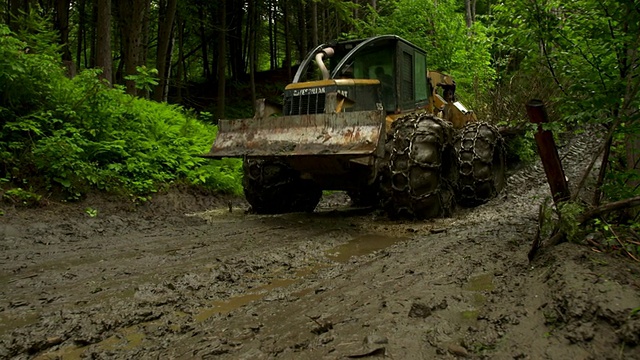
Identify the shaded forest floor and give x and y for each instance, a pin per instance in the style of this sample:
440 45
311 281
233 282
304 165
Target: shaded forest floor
184 277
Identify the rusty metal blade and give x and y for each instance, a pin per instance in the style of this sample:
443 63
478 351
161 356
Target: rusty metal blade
350 133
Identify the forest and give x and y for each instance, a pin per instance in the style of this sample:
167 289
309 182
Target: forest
120 95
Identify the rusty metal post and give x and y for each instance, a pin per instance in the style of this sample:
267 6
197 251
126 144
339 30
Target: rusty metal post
548 152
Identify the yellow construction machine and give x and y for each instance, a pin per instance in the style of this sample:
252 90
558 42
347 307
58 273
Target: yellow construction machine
367 117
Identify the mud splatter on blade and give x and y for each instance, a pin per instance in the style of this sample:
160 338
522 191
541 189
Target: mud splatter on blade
352 133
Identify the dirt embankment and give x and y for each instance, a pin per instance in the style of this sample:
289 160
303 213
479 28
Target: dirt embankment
183 277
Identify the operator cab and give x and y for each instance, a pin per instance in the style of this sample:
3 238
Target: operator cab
383 72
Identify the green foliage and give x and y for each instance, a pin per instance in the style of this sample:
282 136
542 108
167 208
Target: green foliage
521 149
562 218
91 212
620 238
568 213
581 57
79 134
21 196
145 79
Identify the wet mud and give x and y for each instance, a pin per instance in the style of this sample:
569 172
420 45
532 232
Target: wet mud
192 276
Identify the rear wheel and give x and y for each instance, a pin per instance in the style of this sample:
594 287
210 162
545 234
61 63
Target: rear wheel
416 172
481 156
365 197
273 187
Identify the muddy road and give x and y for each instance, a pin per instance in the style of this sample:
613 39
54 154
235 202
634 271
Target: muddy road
184 277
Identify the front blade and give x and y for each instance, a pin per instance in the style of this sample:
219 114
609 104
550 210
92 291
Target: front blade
346 133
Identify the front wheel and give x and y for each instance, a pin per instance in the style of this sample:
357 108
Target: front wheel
273 187
480 153
415 173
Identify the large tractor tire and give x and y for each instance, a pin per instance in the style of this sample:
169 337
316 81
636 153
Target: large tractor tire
415 180
273 187
480 153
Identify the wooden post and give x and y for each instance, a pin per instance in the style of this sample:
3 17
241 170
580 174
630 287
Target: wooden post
548 152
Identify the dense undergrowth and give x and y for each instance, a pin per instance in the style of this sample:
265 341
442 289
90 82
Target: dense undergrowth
72 136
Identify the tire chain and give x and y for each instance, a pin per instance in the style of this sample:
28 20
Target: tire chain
475 147
417 150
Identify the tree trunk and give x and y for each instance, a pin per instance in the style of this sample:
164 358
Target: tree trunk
303 37
473 11
62 26
247 35
206 72
93 39
172 44
235 14
144 45
222 59
103 41
253 23
131 17
314 23
287 41
468 18
180 65
272 53
163 56
82 19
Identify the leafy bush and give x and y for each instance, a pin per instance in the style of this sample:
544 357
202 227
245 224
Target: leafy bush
580 57
80 134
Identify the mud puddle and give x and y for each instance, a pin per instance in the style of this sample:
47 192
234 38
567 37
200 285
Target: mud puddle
361 246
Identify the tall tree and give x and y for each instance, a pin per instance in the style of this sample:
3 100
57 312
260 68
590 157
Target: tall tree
235 14
131 16
82 19
167 11
314 23
287 41
103 41
252 30
468 13
222 57
181 72
273 58
206 70
302 38
61 24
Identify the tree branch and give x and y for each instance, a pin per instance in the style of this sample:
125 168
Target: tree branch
607 208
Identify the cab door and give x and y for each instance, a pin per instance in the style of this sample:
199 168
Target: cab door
412 77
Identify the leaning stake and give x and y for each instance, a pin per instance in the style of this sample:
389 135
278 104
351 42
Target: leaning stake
548 152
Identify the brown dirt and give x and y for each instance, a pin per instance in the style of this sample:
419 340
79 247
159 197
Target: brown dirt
183 277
